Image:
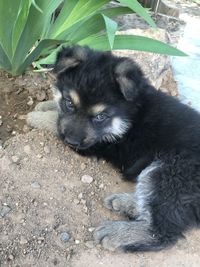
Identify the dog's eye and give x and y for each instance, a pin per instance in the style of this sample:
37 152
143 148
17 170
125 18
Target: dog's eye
100 117
69 105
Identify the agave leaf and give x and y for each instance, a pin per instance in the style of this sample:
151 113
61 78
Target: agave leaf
78 10
111 27
132 42
135 6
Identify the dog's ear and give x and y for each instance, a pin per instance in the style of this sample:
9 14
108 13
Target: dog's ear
127 74
69 58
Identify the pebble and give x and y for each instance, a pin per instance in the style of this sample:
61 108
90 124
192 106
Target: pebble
76 201
4 211
101 186
91 229
77 241
83 166
89 244
64 237
80 196
35 185
1 122
15 159
11 257
47 150
87 179
27 149
62 188
23 241
30 101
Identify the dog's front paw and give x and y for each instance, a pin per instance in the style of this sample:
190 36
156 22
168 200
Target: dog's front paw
46 106
123 203
113 235
43 120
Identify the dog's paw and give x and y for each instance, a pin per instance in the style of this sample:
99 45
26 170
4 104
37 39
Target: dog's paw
121 235
46 106
122 203
114 235
43 120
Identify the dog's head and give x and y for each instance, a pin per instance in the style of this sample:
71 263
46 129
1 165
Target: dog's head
96 94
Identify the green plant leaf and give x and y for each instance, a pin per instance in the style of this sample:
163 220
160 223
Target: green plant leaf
135 6
111 27
36 52
78 11
132 42
8 14
4 60
116 11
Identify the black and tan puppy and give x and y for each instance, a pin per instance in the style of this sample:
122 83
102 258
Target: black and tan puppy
107 108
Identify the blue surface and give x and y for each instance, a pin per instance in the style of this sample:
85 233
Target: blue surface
187 70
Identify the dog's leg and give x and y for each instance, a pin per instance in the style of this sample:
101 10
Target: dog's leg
43 120
156 225
46 106
124 204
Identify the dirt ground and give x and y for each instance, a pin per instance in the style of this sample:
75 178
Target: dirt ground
51 199
44 197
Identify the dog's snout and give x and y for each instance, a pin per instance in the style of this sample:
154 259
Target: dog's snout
71 142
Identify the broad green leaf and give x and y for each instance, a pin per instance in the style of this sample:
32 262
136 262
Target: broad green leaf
20 22
31 33
80 10
135 6
132 42
111 27
8 13
4 60
36 52
116 11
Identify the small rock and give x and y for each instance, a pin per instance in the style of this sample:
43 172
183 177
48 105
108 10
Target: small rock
91 229
27 149
62 188
1 122
83 166
4 211
21 117
35 185
47 150
15 159
26 128
87 179
23 241
11 257
101 186
30 101
76 201
41 95
83 201
80 196
77 241
89 244
64 237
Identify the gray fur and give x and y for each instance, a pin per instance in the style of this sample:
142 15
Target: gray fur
118 234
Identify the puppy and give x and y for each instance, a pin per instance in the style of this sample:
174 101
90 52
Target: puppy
107 108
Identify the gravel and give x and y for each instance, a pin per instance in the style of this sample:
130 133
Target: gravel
87 179
4 210
64 237
35 185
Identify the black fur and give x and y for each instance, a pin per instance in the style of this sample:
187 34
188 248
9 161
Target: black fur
162 129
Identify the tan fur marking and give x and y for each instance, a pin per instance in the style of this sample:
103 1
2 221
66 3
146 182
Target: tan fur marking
96 109
74 97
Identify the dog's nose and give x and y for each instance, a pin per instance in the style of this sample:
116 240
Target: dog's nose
71 142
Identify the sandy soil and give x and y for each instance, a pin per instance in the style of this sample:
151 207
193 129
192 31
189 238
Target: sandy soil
44 198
